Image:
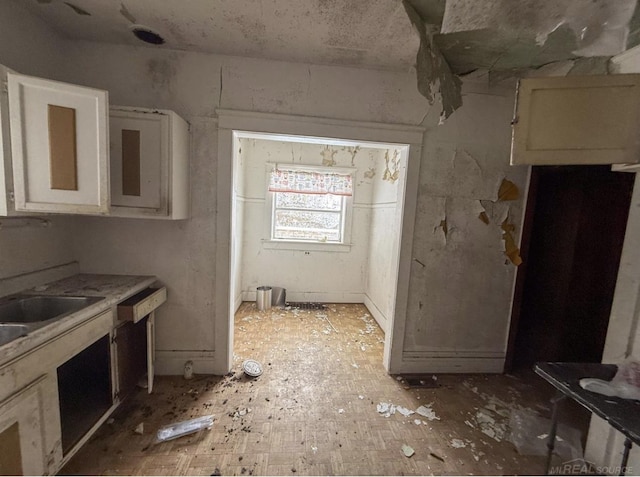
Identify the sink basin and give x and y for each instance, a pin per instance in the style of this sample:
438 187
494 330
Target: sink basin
11 331
38 308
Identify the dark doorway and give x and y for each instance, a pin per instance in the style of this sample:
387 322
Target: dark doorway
572 241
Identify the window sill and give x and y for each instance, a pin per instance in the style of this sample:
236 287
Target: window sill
305 246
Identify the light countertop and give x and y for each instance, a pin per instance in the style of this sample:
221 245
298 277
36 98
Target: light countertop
113 288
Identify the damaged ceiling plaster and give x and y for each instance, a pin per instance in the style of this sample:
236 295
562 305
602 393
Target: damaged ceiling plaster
496 36
442 39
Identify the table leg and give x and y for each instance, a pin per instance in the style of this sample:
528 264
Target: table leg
625 455
551 443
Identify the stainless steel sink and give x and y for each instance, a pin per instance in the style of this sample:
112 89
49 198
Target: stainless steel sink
33 309
20 314
11 331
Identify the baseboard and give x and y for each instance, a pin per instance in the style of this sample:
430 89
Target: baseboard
24 281
238 301
171 363
425 362
380 318
321 297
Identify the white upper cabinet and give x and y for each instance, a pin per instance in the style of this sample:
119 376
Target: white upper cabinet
149 163
577 120
6 171
59 140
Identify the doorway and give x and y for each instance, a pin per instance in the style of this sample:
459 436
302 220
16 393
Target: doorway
572 242
234 124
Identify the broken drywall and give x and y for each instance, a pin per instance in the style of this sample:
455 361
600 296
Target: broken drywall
600 27
434 74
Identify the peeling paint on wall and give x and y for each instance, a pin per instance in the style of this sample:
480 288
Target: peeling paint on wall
370 173
392 166
328 156
511 250
433 70
484 217
444 227
353 151
508 191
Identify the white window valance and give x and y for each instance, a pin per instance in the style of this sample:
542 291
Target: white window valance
310 182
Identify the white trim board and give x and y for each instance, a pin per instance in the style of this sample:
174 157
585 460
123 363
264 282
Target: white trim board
380 318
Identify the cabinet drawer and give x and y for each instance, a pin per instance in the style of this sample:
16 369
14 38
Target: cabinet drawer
141 304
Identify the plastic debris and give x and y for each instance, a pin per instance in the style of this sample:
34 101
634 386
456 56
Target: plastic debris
184 428
252 368
408 450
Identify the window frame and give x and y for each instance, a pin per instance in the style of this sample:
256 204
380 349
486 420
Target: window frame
269 242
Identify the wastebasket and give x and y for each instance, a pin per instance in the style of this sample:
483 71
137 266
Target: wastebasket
278 296
263 298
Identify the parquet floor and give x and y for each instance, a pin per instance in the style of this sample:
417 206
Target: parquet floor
314 411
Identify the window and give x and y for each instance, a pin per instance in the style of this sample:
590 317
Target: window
309 205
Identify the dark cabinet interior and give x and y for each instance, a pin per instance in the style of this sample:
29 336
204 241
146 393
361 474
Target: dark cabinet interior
131 342
84 391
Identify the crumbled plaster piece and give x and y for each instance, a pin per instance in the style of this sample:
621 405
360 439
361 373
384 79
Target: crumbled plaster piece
340 411
426 411
457 443
139 428
404 411
417 422
408 450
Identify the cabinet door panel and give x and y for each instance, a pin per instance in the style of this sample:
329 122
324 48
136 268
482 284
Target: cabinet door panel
59 146
21 428
139 154
577 120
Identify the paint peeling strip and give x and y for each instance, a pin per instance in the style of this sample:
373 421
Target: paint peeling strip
484 217
511 250
508 191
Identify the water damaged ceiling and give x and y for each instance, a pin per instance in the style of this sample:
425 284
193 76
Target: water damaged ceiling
441 38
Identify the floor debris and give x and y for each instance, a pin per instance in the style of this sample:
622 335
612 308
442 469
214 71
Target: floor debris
426 411
457 443
408 450
139 428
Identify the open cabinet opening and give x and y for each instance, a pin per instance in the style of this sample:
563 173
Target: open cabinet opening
84 391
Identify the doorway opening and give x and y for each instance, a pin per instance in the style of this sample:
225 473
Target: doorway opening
322 208
573 233
317 217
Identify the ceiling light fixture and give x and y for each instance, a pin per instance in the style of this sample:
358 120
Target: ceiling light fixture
146 34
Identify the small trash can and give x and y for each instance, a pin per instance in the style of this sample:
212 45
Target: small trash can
263 298
278 296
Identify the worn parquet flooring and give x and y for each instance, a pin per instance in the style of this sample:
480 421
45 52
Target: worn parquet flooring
314 411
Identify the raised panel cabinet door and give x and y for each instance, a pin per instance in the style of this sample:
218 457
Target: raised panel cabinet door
577 120
59 142
139 146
